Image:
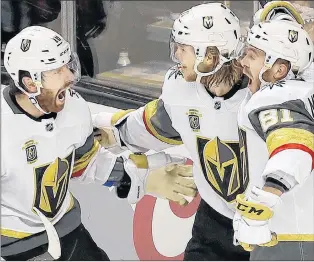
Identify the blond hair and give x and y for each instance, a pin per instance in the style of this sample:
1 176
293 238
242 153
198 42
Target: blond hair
230 73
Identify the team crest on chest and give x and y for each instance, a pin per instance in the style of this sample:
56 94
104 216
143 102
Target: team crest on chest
221 166
194 119
30 151
51 185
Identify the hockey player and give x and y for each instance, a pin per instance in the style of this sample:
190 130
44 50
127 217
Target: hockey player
47 139
198 107
274 217
284 10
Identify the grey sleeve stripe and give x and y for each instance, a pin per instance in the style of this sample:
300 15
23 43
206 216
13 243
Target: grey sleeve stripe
85 148
301 118
163 124
69 222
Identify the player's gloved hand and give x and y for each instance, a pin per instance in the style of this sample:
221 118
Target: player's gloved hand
251 220
108 133
105 137
172 182
152 175
278 10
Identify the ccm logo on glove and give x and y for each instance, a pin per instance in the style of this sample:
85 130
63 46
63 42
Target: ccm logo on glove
252 210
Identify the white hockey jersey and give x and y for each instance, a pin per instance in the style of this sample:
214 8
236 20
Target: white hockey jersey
278 123
38 159
308 74
186 113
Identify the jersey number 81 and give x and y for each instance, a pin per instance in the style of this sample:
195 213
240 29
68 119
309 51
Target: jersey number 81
271 117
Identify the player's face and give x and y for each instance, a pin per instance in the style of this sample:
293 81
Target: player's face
186 56
253 62
55 83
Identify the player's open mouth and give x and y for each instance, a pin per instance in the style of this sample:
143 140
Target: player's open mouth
248 76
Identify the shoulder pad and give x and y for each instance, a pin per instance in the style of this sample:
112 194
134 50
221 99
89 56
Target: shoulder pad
175 84
280 93
76 106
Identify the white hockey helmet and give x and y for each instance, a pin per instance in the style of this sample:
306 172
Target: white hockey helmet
37 49
210 24
278 10
282 39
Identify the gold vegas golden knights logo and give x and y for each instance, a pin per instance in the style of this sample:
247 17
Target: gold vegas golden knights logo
51 181
222 166
208 22
293 36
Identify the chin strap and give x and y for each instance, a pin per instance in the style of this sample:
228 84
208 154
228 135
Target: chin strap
36 104
32 96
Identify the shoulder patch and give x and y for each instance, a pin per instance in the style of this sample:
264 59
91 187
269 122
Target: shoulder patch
280 83
73 93
175 72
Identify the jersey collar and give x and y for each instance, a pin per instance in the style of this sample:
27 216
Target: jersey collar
17 109
241 84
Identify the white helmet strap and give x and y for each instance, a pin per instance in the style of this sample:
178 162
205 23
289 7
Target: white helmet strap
260 76
32 97
268 63
34 101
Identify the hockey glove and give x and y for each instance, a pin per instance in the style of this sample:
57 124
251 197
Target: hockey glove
107 132
251 220
153 175
172 182
105 137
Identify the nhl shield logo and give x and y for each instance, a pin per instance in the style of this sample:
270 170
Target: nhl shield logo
293 36
31 151
208 22
25 45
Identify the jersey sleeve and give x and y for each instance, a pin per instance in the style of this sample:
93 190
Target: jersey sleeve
92 163
149 127
84 155
288 130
